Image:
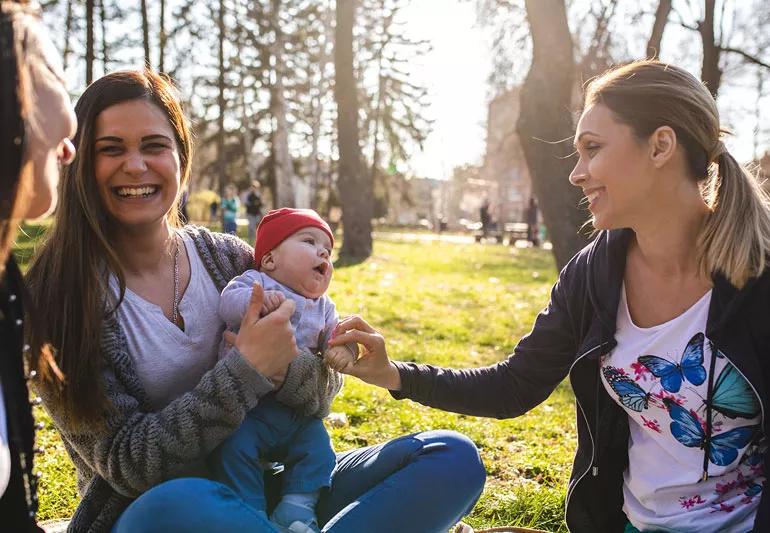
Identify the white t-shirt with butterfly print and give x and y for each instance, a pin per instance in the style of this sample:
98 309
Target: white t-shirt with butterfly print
659 375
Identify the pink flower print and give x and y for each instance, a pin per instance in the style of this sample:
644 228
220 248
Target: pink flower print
689 503
723 508
724 488
640 371
651 424
665 395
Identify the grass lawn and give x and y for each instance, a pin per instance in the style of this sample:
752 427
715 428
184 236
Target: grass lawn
444 303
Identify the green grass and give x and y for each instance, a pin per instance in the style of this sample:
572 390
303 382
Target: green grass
449 304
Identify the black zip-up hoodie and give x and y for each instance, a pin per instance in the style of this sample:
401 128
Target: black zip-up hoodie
568 337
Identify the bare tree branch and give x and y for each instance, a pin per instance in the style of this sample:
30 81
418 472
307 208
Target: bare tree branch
746 56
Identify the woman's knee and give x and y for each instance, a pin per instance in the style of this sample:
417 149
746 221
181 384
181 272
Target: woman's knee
188 504
461 453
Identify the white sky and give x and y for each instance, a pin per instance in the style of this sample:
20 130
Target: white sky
456 73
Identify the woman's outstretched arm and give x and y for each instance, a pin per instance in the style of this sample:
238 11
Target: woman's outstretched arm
509 388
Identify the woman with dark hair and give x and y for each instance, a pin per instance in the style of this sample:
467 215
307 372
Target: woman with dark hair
128 304
36 120
661 323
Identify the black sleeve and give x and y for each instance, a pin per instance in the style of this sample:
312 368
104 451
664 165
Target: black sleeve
512 387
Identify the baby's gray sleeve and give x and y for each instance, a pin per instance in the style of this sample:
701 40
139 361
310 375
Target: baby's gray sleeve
235 297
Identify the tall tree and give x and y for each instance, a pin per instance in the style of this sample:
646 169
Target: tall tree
659 25
221 160
103 32
162 38
711 74
393 104
146 34
355 187
283 165
67 35
546 97
89 41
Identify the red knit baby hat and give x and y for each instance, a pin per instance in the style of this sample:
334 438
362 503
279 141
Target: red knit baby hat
279 224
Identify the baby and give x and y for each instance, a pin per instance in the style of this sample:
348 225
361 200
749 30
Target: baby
292 259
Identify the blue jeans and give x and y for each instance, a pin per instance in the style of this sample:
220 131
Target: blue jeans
230 226
420 483
274 432
253 223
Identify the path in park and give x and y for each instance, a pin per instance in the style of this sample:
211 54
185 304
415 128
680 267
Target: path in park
443 237
422 237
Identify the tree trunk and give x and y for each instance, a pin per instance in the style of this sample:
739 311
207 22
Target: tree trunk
710 71
546 98
67 32
354 186
221 164
162 34
283 165
146 35
89 41
661 19
105 45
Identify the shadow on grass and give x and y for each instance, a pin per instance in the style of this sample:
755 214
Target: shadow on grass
346 261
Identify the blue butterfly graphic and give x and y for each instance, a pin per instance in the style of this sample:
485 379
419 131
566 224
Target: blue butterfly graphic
733 396
631 395
686 428
752 490
671 374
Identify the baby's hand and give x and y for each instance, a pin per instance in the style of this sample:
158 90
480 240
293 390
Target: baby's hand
271 302
341 358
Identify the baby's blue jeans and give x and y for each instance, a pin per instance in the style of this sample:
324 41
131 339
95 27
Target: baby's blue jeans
274 432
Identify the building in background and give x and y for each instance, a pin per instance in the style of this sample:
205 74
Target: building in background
504 166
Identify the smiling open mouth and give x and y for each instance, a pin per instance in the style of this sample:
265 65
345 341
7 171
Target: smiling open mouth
136 192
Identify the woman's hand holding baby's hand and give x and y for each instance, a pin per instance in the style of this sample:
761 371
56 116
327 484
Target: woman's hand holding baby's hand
341 358
267 343
271 301
372 365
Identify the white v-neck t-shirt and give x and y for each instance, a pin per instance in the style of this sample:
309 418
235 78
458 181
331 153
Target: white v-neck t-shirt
5 453
660 376
168 360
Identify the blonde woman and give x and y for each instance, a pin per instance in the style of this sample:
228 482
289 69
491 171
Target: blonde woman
661 323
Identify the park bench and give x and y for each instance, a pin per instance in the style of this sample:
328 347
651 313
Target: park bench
512 231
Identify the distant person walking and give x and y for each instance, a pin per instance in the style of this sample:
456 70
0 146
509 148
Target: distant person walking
533 230
253 209
213 209
484 217
229 207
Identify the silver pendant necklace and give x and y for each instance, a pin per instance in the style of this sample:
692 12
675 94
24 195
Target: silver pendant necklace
175 303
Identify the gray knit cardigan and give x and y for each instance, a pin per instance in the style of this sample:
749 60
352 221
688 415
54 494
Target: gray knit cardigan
137 448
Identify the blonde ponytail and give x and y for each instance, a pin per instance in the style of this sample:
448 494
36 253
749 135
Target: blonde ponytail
736 238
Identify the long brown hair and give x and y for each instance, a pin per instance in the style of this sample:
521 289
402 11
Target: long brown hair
69 278
645 95
16 178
